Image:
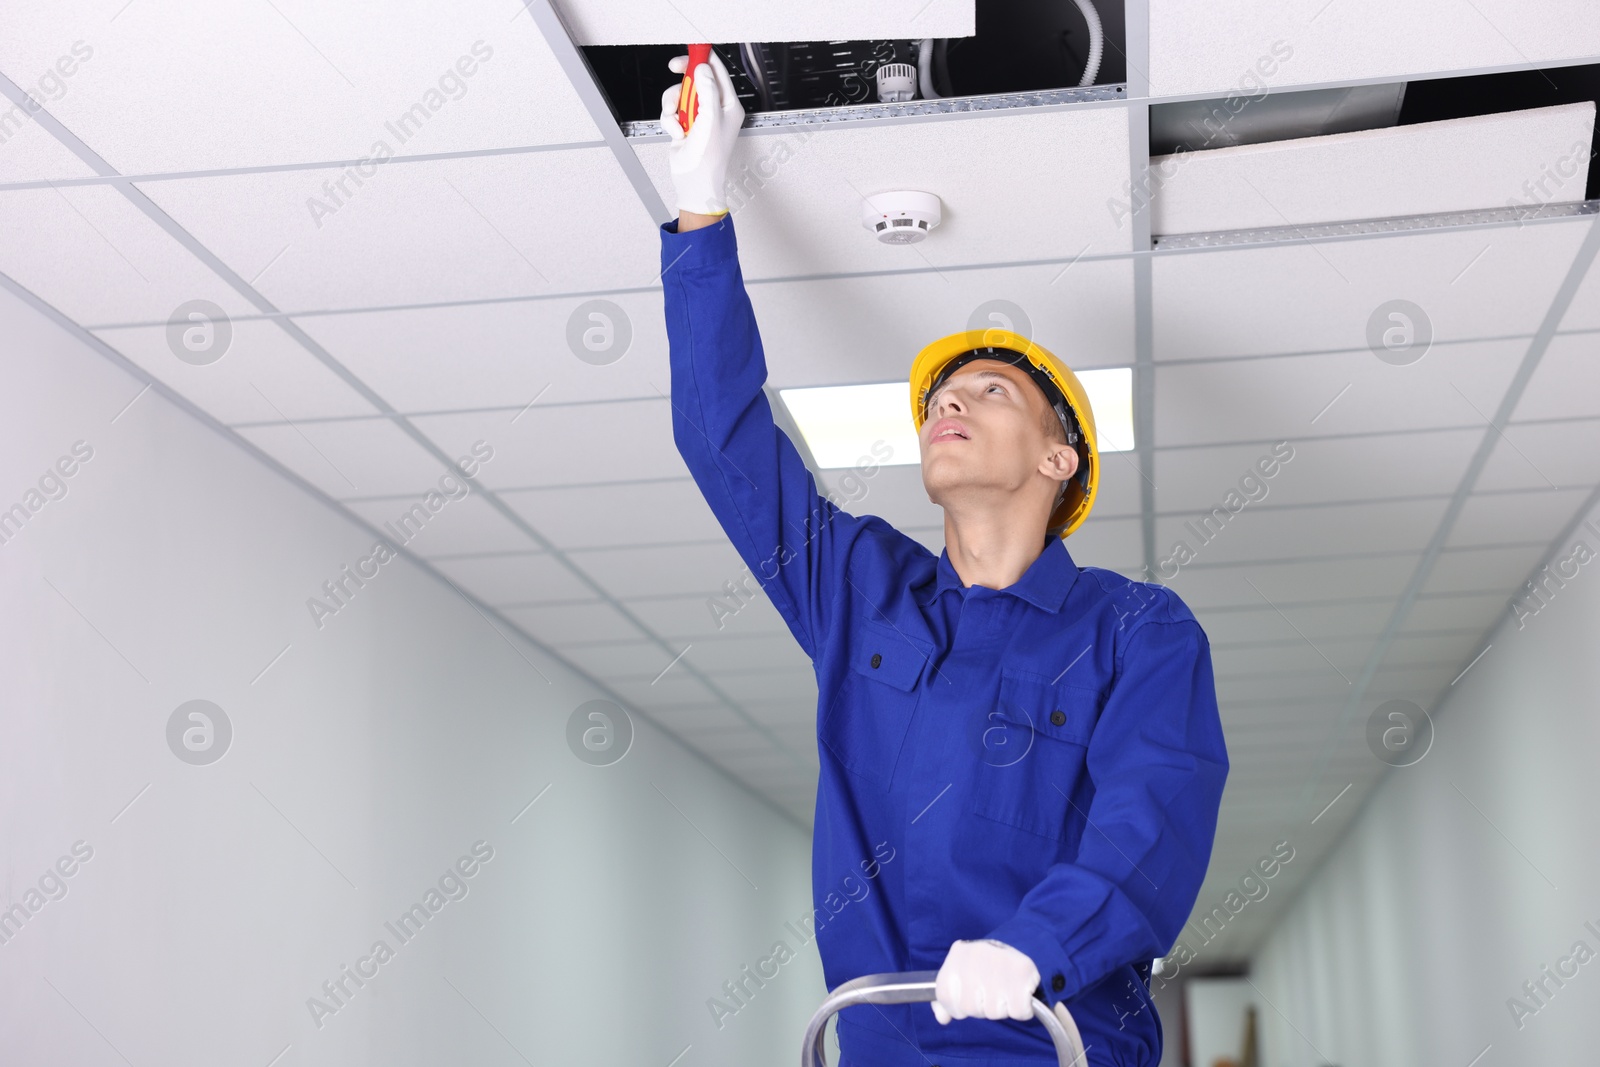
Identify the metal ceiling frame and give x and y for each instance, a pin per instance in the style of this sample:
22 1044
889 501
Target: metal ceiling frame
1135 99
1488 219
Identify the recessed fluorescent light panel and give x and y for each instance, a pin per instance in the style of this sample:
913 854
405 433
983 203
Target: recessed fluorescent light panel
842 423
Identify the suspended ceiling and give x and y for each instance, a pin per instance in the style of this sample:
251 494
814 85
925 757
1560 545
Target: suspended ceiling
429 309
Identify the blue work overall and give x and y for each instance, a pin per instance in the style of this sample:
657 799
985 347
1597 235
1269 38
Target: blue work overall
1043 764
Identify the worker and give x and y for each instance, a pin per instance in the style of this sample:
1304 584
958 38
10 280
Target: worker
1037 742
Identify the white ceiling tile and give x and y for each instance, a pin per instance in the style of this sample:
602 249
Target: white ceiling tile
522 579
1441 612
875 325
592 516
719 740
500 355
351 457
1261 623
1451 165
594 22
800 733
467 525
1111 544
1121 483
1270 716
1228 46
667 569
755 652
552 624
1556 455
894 494
1293 654
264 375
1502 518
755 766
789 717
1482 568
1427 696
29 153
195 86
1278 399
453 229
1323 683
1411 649
689 616
1201 586
1047 201
1358 467
93 255
1431 678
673 690
791 780
1301 297
769 685
1584 313
561 445
704 718
1288 533
618 659
1566 382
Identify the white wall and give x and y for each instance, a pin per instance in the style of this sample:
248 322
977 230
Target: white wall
364 762
1463 874
1215 1010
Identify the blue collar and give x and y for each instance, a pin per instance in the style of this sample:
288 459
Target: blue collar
1044 584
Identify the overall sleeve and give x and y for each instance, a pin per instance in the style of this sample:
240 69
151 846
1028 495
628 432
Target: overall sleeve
794 540
1157 762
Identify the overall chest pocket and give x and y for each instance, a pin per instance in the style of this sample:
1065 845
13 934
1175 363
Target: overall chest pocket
867 721
1031 747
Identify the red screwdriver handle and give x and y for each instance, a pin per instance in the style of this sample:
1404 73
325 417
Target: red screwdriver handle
688 99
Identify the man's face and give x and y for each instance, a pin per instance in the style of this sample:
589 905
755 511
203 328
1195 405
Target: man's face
985 430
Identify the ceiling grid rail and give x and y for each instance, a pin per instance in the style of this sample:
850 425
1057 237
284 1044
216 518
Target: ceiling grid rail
1137 38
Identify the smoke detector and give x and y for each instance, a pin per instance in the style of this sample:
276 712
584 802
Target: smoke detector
896 82
900 218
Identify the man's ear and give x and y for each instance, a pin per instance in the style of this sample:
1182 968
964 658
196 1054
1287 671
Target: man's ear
1061 463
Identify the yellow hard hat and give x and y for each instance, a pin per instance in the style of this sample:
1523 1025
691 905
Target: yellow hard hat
1059 385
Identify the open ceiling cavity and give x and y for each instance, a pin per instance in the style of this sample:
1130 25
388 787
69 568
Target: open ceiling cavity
1020 46
1258 116
1241 165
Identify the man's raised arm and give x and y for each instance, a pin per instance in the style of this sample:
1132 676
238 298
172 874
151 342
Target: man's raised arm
794 540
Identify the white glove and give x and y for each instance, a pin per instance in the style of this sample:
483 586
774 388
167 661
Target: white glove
985 979
700 158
